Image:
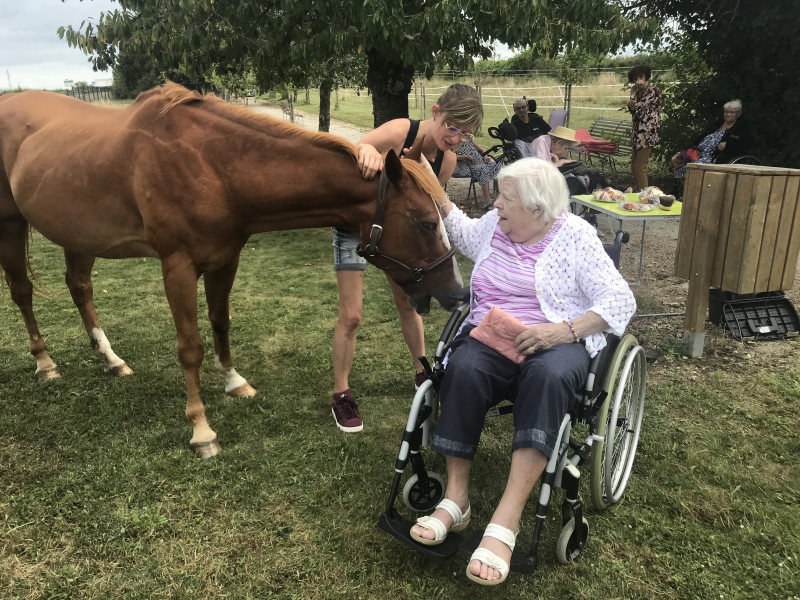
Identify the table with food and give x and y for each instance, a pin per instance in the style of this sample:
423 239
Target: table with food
650 203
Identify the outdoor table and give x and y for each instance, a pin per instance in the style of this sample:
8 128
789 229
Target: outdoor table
615 211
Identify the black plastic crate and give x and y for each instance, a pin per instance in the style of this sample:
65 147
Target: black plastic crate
761 317
718 298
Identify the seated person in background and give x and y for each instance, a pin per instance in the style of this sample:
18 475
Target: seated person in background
529 125
470 162
723 140
555 147
547 268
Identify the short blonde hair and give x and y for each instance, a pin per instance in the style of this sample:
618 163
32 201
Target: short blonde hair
462 105
540 185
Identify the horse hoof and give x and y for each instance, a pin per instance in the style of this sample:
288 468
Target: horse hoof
121 370
46 374
243 391
206 449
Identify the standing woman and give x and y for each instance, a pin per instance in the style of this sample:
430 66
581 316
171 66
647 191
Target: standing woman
645 109
454 118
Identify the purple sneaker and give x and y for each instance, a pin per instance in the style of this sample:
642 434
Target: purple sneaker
345 412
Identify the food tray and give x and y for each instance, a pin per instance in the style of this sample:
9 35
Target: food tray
637 206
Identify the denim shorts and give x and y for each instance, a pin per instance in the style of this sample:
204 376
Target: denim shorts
344 252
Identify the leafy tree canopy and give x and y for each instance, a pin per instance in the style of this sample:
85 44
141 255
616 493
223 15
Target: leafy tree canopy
727 49
283 39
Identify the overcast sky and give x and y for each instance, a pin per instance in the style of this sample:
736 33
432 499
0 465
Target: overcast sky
31 54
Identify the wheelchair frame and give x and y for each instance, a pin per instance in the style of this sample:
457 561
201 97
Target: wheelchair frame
612 407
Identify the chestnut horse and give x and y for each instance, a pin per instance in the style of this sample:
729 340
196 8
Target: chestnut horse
187 179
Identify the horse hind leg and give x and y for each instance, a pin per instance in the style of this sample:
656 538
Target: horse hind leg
13 262
218 288
79 282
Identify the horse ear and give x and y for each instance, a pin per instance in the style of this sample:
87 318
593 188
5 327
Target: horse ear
393 167
415 152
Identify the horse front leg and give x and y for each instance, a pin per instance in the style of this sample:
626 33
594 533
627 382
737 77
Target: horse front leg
79 282
180 285
218 289
14 264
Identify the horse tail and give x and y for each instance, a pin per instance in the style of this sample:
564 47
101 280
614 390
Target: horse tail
40 288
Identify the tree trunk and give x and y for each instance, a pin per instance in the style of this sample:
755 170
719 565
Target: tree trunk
325 87
389 82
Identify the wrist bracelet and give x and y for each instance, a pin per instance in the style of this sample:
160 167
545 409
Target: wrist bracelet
572 329
443 204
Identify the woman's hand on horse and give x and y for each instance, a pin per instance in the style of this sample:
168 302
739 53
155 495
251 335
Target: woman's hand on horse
543 336
370 161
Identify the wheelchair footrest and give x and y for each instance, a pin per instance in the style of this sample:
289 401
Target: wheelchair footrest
521 562
400 528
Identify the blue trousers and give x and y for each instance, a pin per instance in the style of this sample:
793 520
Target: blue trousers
543 389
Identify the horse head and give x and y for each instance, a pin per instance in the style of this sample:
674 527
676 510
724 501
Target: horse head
407 238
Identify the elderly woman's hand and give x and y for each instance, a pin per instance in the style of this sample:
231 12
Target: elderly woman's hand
370 161
543 336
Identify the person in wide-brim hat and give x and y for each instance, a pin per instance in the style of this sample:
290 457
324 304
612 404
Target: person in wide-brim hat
566 134
554 147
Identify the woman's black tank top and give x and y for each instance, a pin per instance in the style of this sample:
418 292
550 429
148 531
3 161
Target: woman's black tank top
413 129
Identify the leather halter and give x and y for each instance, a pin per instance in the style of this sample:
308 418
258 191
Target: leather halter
415 274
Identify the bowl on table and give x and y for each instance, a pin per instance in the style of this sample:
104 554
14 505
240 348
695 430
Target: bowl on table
666 202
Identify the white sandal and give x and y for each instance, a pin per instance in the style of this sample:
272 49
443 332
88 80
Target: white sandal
460 522
489 558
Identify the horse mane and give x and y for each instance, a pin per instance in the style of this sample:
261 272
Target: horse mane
174 95
424 179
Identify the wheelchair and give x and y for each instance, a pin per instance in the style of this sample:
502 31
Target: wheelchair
612 408
504 151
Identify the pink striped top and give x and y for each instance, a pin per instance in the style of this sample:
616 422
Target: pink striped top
507 278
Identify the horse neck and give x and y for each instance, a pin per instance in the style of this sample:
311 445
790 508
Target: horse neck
316 187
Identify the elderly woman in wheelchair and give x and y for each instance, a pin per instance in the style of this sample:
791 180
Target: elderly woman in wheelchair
547 270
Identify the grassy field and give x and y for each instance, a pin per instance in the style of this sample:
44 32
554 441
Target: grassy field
603 96
100 496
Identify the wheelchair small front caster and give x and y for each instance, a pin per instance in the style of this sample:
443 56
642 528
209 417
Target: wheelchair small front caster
571 541
422 497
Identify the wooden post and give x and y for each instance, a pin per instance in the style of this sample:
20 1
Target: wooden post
703 249
739 231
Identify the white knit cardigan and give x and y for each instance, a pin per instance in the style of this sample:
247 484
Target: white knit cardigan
573 274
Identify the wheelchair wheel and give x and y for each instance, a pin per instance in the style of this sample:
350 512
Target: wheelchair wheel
571 542
619 422
421 497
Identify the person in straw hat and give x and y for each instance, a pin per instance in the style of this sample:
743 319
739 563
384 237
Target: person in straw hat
555 146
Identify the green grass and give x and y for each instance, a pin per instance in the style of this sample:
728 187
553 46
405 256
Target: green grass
595 100
100 496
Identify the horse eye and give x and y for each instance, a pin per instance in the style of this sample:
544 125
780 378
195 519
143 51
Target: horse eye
430 225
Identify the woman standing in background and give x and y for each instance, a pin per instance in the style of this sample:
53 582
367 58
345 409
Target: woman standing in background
645 109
